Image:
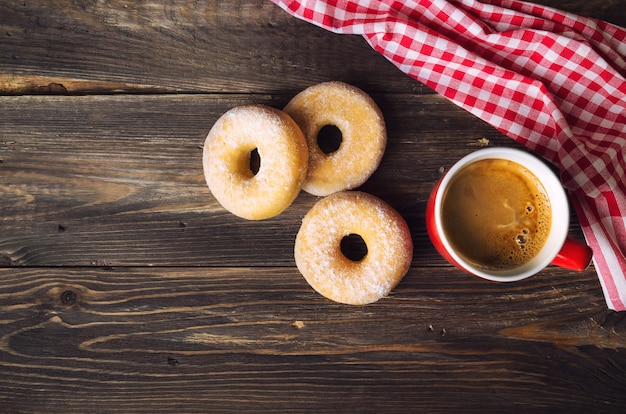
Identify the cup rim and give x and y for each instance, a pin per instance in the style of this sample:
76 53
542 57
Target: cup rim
559 227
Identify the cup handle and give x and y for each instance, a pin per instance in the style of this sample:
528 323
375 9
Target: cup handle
574 255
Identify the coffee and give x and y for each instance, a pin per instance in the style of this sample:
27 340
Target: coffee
496 214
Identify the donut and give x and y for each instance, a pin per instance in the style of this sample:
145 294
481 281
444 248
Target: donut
283 157
321 261
363 135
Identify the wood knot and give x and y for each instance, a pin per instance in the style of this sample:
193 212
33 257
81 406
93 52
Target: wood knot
68 297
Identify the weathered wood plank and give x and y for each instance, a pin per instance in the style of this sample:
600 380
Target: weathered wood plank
86 47
117 180
235 339
57 46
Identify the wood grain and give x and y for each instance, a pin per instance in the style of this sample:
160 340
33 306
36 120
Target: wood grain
177 46
125 287
230 338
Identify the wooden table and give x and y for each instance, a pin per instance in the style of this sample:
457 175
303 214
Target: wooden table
125 287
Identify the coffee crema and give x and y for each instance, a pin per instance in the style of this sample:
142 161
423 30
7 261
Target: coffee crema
496 214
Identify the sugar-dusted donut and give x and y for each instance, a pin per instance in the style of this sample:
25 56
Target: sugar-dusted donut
320 259
363 135
283 157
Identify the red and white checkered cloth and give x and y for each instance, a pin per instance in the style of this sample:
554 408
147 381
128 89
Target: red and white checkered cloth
553 81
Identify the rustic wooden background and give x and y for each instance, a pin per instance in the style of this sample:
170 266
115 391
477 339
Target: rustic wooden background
125 287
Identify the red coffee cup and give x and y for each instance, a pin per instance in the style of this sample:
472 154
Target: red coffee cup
557 248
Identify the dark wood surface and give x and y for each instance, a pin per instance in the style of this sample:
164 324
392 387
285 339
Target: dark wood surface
125 287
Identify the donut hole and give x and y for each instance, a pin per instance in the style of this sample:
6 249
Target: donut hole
239 163
329 139
255 161
353 247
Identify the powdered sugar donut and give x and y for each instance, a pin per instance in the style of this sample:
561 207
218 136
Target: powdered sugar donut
281 148
321 261
363 135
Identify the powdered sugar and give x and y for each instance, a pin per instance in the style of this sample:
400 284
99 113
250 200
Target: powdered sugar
226 159
363 131
320 259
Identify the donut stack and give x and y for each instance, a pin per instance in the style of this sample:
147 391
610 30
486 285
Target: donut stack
290 160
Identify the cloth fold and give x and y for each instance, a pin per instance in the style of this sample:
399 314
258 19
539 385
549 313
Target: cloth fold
551 80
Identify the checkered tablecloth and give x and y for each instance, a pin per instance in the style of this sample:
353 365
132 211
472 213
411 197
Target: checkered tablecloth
553 81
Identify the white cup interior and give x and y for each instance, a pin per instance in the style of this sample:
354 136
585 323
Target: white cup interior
558 202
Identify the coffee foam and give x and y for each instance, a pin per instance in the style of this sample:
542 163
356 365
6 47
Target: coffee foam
496 214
